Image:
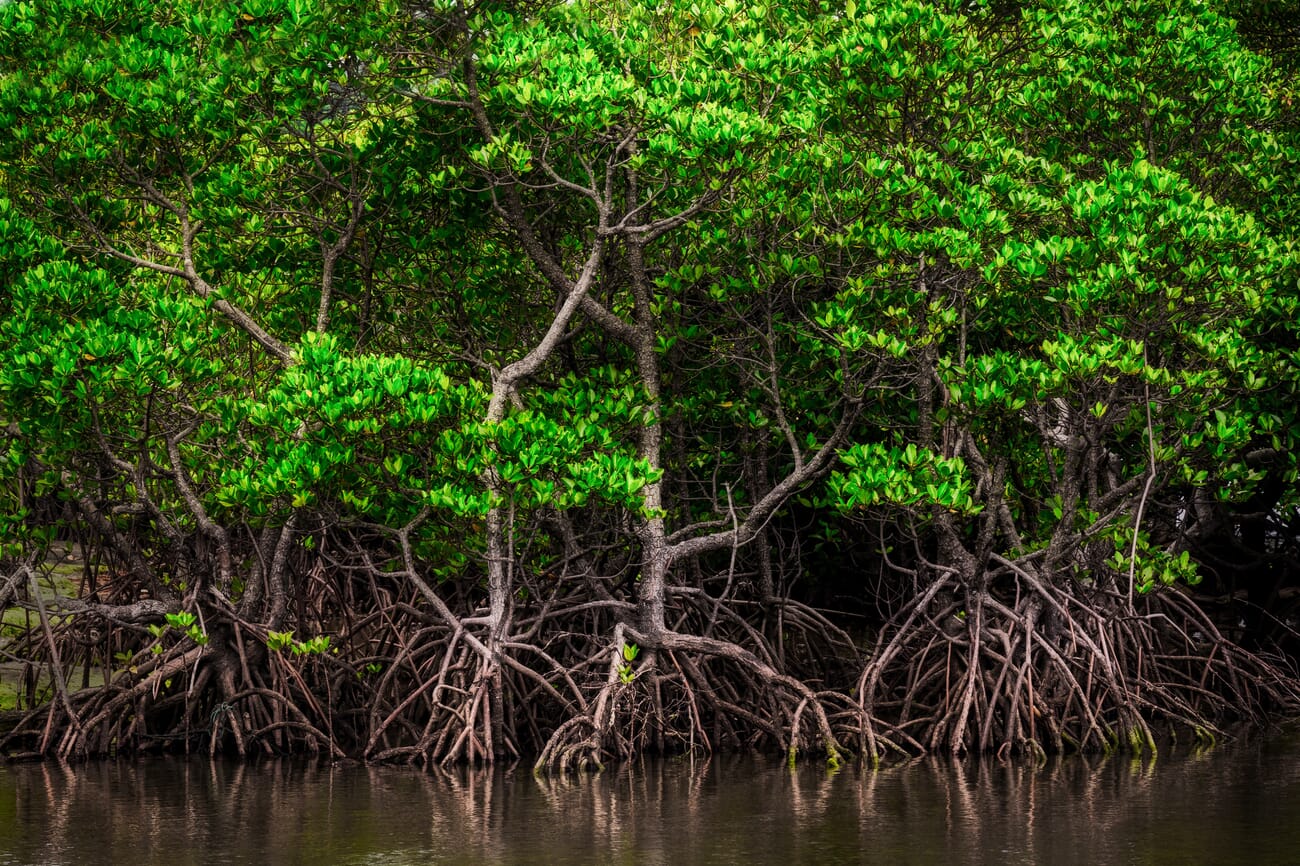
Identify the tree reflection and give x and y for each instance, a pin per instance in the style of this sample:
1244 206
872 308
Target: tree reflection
709 810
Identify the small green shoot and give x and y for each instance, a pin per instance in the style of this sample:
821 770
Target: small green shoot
278 640
315 646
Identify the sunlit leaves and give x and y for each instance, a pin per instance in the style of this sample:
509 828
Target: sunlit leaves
879 475
1010 233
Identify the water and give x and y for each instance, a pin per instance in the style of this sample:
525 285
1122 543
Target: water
1239 804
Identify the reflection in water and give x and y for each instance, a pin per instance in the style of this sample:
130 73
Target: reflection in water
1230 806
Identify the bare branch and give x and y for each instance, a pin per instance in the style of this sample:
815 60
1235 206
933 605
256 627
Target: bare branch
774 499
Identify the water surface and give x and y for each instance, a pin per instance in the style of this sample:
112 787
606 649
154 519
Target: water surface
1239 804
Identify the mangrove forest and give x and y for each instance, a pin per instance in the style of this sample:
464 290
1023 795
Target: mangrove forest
562 381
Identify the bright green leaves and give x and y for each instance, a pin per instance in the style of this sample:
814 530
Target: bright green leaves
552 67
1171 80
1149 566
80 349
184 623
503 154
911 477
364 432
278 641
241 118
573 445
896 49
1003 233
379 436
23 243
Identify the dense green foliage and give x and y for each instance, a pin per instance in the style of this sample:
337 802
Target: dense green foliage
492 342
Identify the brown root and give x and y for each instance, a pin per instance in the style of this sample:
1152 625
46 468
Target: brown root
416 673
1037 666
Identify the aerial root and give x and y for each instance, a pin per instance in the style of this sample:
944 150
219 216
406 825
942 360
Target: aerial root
1046 668
694 693
1025 666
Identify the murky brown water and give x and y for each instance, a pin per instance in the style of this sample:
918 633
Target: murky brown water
1236 805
